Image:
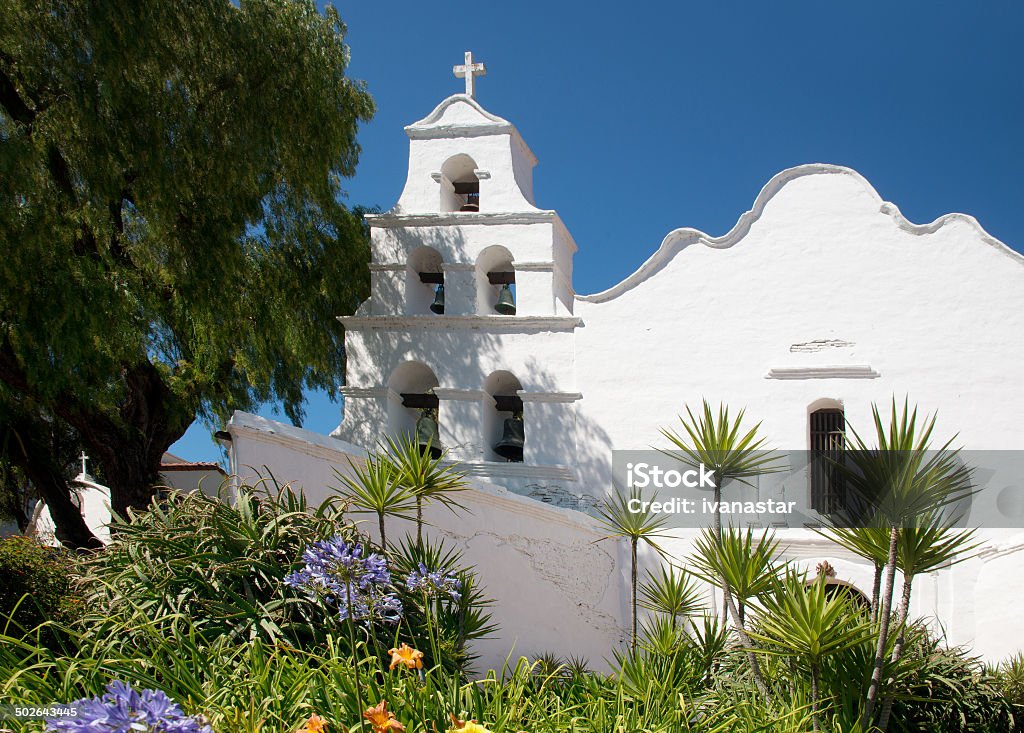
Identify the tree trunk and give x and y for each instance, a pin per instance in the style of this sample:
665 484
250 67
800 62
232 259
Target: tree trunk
70 528
815 675
130 448
876 587
897 651
35 457
747 643
884 612
633 542
128 442
383 540
718 537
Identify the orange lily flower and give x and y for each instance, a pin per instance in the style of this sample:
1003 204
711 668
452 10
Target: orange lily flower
406 656
315 724
381 719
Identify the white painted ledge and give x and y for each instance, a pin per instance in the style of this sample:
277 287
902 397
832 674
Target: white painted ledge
457 218
488 323
824 372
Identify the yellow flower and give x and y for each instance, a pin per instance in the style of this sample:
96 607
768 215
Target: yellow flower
465 726
315 724
381 720
406 656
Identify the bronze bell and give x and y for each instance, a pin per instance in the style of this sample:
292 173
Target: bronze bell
506 304
438 305
472 202
427 435
510 447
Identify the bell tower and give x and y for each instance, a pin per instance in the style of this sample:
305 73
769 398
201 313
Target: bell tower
470 319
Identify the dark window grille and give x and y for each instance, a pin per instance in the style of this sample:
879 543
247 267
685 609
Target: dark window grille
828 439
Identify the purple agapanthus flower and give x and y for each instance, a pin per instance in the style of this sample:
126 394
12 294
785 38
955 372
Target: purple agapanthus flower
338 573
123 709
434 582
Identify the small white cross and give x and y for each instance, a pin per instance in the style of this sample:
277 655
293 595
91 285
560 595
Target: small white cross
84 459
470 71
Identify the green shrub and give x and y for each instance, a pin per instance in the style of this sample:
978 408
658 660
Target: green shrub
38 586
221 565
947 691
1009 676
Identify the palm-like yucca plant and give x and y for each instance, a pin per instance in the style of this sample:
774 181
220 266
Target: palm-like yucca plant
374 488
670 591
930 543
426 477
709 640
896 484
746 563
621 520
730 452
747 567
723 446
803 620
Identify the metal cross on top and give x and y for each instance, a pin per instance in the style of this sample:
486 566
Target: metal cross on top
84 458
470 71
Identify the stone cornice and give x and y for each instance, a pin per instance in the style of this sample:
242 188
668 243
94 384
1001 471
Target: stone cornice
450 393
387 266
465 218
445 131
533 266
823 372
364 392
490 323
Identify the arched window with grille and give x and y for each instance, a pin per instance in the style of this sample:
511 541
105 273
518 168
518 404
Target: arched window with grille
828 441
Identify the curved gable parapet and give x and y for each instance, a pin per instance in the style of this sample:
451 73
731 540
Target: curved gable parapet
679 239
462 116
438 114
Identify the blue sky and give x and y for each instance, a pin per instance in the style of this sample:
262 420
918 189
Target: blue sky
655 115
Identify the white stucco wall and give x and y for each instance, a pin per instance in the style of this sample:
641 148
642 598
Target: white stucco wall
557 588
822 292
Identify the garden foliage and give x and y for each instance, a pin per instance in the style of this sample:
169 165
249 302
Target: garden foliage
265 614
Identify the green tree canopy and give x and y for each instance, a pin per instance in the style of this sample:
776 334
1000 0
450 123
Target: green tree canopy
171 220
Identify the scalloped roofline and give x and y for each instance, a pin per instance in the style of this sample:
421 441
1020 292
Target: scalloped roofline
678 239
428 128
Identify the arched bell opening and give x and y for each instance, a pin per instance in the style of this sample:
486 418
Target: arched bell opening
495 282
413 408
504 430
460 188
424 282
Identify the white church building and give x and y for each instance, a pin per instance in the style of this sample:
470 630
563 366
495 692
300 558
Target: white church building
820 301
